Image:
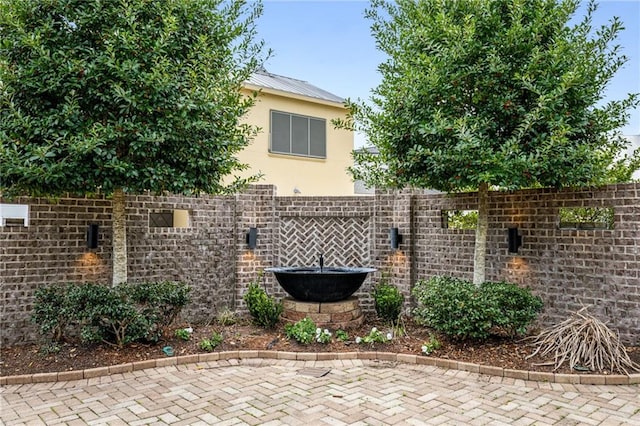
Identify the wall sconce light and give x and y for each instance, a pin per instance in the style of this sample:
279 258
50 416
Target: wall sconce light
92 236
515 240
252 237
395 238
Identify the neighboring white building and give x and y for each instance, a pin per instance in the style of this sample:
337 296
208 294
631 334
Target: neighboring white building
635 144
359 187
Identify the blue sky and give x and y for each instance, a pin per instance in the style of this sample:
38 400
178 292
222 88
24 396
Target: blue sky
329 44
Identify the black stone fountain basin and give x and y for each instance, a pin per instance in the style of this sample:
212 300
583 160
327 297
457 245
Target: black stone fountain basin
331 284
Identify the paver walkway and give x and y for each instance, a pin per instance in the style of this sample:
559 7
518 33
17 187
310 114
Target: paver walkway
274 392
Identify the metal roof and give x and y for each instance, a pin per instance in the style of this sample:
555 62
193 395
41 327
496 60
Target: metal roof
265 79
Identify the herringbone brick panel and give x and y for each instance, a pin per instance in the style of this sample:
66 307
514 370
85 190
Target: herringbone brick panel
344 241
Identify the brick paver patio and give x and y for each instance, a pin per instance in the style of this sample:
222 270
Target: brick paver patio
270 391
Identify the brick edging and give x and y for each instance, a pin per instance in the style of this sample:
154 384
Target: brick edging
583 379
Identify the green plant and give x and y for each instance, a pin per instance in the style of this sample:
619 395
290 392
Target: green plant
519 108
120 84
516 307
431 345
121 314
388 301
342 335
323 336
183 333
166 298
108 314
460 219
461 310
211 343
52 310
263 308
49 348
374 336
303 331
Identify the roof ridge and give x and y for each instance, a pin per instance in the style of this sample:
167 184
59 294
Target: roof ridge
270 74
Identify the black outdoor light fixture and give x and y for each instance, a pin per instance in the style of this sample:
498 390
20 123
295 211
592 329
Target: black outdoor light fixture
92 236
395 238
515 240
252 237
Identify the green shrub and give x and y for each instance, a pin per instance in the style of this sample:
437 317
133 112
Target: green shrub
323 336
304 331
211 343
166 298
517 307
263 308
52 310
453 307
120 314
462 310
388 301
108 314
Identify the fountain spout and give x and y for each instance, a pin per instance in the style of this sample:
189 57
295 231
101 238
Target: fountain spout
321 262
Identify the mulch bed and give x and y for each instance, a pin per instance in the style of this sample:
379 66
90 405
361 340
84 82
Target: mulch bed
73 355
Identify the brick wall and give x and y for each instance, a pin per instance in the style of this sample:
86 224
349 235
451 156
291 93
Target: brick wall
201 255
567 268
53 250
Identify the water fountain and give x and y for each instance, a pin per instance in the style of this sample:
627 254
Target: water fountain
325 294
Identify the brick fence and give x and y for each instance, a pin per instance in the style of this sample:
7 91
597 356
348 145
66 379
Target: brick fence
567 268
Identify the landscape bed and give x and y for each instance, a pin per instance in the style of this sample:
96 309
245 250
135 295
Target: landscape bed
70 356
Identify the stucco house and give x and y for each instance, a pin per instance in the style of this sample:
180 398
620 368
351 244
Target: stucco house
298 149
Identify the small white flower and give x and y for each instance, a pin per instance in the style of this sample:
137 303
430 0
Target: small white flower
327 332
373 330
424 349
389 336
189 330
318 330
358 340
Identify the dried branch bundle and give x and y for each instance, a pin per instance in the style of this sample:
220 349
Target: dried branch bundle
582 340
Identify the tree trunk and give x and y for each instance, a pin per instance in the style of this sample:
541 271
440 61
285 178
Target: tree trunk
119 238
480 252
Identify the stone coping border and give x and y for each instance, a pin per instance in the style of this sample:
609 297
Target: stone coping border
583 379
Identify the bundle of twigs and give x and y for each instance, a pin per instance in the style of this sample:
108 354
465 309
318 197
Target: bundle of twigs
584 341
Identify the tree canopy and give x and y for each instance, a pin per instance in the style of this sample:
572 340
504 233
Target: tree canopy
479 95
503 93
134 95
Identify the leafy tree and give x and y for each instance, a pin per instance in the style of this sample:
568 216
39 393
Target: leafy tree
124 96
485 95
